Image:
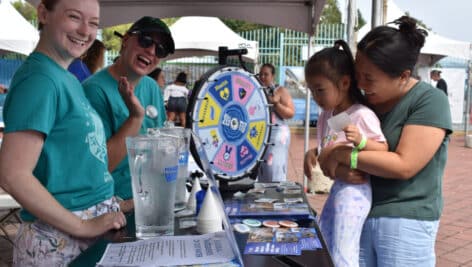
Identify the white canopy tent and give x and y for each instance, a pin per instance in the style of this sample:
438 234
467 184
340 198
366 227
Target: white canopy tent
199 36
16 34
435 47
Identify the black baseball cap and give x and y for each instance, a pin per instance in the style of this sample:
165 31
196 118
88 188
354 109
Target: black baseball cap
149 24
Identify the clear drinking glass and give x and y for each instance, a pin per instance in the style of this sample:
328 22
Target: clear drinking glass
182 174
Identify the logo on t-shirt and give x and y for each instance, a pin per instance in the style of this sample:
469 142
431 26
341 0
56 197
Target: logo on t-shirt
96 137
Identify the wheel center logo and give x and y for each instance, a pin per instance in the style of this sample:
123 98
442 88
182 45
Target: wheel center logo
234 123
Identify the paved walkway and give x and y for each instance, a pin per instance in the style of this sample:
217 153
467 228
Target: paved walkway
454 243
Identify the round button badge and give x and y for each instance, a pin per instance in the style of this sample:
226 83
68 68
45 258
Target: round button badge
241 228
271 224
252 223
288 224
151 112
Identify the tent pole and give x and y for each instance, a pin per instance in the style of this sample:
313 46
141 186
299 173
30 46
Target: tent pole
306 144
377 13
307 115
467 105
351 23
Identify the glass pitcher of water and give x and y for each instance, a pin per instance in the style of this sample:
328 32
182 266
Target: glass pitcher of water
153 161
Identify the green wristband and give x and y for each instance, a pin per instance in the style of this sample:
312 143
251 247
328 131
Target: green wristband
354 156
362 144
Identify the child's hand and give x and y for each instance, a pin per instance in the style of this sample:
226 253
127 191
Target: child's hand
309 162
353 134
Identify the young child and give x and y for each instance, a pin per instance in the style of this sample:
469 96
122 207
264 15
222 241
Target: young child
330 77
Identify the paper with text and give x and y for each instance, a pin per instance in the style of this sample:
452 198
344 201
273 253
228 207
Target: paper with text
169 250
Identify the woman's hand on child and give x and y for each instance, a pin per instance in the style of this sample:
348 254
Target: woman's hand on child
348 175
352 134
327 158
309 162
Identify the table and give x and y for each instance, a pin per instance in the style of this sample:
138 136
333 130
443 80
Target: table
319 257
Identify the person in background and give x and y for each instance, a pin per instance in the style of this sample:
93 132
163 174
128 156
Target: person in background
274 166
158 75
79 69
330 76
53 158
94 58
3 89
440 82
87 64
176 97
127 100
406 180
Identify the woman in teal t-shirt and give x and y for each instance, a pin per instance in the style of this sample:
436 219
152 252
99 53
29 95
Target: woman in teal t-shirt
53 159
406 180
126 99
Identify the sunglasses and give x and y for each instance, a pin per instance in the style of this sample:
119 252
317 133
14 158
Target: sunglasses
146 41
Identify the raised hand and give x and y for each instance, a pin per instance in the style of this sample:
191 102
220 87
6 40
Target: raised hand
133 104
327 158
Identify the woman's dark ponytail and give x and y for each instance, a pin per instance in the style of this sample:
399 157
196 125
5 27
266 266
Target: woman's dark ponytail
394 50
408 27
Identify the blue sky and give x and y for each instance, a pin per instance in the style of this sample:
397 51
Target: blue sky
449 18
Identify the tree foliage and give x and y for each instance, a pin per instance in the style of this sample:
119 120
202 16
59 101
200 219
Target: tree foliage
113 42
360 21
26 10
110 40
331 13
241 26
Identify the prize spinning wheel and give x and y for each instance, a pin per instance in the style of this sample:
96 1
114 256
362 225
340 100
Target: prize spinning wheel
230 113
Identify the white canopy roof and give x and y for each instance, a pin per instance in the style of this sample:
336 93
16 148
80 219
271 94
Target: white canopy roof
198 36
16 34
435 47
300 15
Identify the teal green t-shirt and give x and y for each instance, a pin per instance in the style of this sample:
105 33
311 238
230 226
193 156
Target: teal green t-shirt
73 163
102 91
420 197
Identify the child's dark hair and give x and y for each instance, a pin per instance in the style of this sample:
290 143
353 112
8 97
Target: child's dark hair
334 63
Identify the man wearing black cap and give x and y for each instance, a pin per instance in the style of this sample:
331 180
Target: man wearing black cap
127 100
440 82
